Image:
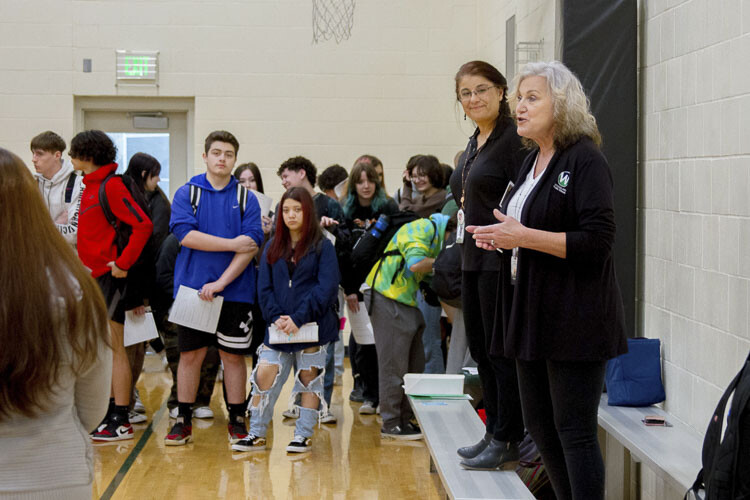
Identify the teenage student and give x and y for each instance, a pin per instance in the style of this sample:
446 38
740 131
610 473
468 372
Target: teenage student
220 231
55 320
93 153
298 286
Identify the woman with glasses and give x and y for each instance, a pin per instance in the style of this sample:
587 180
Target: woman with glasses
491 160
427 177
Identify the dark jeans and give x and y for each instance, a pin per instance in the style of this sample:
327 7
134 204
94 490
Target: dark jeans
497 375
367 363
560 402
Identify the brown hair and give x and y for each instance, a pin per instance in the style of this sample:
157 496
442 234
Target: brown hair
48 141
491 73
221 136
58 310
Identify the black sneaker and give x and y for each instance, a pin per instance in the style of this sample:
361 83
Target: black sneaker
179 435
250 443
356 395
112 430
409 432
237 431
299 445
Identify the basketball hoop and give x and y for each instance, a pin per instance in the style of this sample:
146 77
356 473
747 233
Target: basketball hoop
332 19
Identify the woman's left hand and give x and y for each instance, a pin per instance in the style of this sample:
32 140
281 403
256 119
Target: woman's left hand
509 233
266 223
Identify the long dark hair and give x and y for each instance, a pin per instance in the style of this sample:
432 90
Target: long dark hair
57 311
281 245
140 164
491 73
256 174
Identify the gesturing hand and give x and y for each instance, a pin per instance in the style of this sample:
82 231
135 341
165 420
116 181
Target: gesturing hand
509 233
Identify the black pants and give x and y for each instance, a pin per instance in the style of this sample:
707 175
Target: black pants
497 375
367 363
560 403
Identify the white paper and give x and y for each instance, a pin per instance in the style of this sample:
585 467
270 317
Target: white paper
361 325
189 310
264 201
340 188
139 328
307 333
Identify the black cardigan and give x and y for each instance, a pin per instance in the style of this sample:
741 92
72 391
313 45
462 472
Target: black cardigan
490 170
564 309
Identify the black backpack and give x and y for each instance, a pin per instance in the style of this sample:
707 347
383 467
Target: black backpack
726 462
370 246
122 230
446 280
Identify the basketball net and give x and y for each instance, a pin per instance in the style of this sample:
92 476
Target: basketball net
332 19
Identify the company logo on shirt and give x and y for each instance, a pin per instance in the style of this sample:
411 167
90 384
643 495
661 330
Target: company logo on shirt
562 182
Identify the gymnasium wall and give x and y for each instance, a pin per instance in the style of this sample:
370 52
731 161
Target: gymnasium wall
253 70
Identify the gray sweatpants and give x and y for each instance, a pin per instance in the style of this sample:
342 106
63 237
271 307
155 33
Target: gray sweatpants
398 342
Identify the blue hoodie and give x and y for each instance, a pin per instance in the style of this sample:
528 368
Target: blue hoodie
218 215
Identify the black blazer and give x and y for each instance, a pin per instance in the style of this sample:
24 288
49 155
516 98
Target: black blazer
489 172
564 309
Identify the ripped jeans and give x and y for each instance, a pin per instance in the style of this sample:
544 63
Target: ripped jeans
261 414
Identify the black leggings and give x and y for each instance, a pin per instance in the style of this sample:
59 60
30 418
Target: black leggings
560 403
497 374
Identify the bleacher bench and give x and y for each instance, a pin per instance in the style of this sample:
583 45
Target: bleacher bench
447 425
672 453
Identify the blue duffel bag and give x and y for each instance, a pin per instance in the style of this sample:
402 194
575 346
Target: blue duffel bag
634 378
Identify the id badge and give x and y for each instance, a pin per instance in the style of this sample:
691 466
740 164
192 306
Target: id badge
514 267
460 226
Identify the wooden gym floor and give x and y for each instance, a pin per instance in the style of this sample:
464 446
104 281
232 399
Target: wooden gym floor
348 459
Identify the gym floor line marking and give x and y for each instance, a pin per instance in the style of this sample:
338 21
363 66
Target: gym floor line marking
134 454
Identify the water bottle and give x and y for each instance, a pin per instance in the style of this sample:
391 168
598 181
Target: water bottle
380 226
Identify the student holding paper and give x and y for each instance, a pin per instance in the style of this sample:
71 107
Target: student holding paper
297 289
218 224
93 153
364 202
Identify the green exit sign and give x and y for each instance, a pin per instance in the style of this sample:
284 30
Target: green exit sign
135 66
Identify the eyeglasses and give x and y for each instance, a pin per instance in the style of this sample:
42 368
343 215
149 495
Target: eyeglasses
480 92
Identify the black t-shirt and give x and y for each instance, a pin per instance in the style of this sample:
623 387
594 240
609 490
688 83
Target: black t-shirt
488 172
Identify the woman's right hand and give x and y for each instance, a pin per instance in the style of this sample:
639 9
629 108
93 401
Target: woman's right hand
352 303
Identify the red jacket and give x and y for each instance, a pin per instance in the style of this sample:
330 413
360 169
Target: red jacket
96 237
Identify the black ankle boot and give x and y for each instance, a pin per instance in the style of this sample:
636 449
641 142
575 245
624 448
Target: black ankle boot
497 455
475 449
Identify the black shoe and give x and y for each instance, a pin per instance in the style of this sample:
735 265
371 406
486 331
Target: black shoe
356 395
497 455
299 444
475 449
407 433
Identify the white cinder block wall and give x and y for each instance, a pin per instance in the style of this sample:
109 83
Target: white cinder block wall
694 252
253 70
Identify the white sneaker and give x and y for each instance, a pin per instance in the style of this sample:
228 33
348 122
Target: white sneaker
136 418
328 418
292 412
203 412
173 412
138 405
367 408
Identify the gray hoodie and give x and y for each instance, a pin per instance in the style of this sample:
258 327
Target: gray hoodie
53 193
